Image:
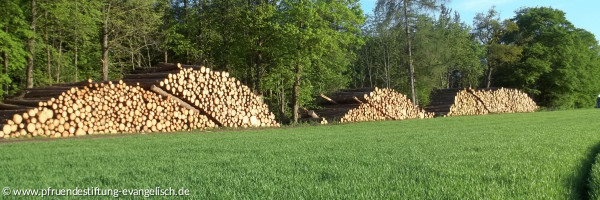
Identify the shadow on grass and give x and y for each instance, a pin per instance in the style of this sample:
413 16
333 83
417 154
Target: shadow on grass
580 187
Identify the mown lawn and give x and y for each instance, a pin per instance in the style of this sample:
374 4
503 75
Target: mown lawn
544 155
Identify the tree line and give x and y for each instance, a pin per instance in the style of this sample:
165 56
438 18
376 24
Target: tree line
291 51
538 51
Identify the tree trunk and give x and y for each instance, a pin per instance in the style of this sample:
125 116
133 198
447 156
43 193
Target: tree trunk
105 47
59 62
132 56
449 80
296 93
5 55
75 59
258 66
47 48
411 69
31 46
282 103
139 60
489 76
147 52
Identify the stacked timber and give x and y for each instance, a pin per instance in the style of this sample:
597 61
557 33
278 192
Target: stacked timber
224 99
100 108
504 100
454 102
384 104
364 112
466 103
395 106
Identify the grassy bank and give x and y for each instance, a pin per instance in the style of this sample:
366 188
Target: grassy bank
525 156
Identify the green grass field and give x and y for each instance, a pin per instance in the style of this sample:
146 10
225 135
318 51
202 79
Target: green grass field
544 155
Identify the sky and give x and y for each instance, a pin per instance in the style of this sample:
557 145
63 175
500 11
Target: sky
581 13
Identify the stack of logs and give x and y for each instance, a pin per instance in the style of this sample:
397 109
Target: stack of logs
228 102
383 104
496 100
103 108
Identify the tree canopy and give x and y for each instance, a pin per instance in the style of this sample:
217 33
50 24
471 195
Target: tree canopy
559 64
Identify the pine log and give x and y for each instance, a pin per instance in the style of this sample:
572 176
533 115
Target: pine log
13 107
27 103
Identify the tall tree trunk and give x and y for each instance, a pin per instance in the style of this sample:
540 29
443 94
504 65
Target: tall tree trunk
489 76
76 45
5 56
147 52
75 59
31 46
411 69
448 80
47 48
387 64
296 87
185 12
282 103
296 93
132 56
165 26
105 47
139 60
259 59
58 73
59 62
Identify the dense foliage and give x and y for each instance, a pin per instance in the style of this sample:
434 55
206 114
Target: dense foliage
290 51
538 51
559 63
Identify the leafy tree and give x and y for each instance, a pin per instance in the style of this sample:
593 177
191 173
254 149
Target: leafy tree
320 36
13 31
558 60
399 13
443 51
488 31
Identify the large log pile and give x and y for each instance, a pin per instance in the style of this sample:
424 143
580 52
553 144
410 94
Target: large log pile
364 112
73 110
454 102
224 99
394 105
383 104
368 104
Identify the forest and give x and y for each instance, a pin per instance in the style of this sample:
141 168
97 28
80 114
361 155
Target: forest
291 51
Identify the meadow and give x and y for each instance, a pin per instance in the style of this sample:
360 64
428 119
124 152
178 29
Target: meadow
543 155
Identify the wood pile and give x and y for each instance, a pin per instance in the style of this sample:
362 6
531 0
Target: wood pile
383 104
95 109
364 112
455 102
224 99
